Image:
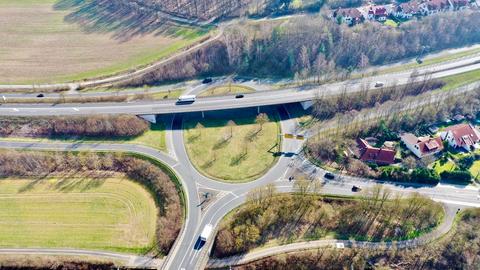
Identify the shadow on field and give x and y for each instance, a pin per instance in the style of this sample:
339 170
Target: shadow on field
123 19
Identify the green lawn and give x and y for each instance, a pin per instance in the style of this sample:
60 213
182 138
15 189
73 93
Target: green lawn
475 169
440 167
458 80
245 156
155 138
226 89
104 214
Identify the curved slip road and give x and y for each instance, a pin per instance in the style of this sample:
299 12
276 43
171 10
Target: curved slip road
261 98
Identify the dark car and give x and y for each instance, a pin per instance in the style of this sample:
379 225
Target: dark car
207 80
40 95
419 61
239 96
356 189
329 175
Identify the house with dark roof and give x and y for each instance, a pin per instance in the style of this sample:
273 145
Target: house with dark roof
350 16
422 146
464 136
436 6
459 4
407 10
380 156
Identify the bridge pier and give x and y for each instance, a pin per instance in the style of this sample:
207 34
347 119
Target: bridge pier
152 118
306 104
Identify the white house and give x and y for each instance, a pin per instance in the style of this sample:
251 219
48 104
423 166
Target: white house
350 16
464 136
407 10
422 146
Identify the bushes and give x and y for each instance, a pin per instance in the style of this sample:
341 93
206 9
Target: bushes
417 175
31 164
91 126
462 176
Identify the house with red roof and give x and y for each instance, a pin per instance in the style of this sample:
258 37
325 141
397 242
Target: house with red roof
380 156
379 13
464 136
422 146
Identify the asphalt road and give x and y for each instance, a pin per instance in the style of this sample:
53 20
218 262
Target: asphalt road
261 98
186 252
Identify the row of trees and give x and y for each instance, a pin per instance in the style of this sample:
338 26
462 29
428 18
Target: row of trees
41 164
378 215
94 126
459 250
317 46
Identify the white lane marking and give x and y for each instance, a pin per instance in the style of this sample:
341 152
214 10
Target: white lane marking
457 202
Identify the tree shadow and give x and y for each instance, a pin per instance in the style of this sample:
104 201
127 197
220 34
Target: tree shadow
124 20
221 143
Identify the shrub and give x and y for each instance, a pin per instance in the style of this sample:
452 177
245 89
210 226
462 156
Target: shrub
462 176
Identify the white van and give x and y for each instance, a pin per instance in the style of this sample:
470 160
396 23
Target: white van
187 99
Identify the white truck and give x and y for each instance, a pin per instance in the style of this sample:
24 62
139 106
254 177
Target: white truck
187 99
207 231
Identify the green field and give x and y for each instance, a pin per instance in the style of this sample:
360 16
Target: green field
103 214
240 157
59 40
226 89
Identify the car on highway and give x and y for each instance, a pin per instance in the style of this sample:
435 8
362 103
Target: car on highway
329 176
40 95
239 96
379 84
206 232
207 80
356 189
186 99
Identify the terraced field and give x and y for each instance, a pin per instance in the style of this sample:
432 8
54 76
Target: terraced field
61 40
104 214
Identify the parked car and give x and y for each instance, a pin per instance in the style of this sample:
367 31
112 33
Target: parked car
356 189
329 175
239 96
207 80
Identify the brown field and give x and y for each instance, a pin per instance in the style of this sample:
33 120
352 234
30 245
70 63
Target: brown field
46 41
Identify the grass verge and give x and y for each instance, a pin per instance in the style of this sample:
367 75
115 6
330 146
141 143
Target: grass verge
232 151
227 89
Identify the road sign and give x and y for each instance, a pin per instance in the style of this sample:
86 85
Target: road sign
288 136
300 137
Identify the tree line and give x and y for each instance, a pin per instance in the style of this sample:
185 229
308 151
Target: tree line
377 215
458 250
159 182
89 126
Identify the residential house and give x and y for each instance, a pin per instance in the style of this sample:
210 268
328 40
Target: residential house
459 4
407 10
379 13
464 136
350 16
422 146
380 156
435 6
